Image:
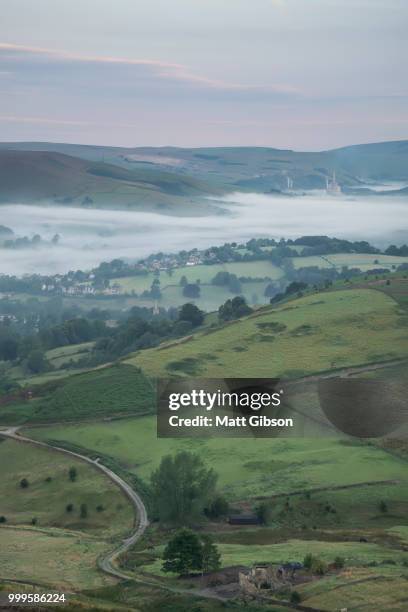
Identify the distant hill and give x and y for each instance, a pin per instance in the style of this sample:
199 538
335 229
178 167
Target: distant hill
34 176
156 176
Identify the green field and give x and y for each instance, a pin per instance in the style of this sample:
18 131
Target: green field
61 548
47 500
65 355
322 332
57 559
102 393
246 469
354 553
363 261
204 273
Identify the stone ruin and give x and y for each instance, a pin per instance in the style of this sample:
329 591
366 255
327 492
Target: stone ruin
266 577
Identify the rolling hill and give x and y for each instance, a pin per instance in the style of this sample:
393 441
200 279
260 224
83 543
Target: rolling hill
35 176
247 168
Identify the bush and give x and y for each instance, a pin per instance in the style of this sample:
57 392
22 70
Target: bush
295 597
72 473
69 508
24 484
319 567
218 507
339 562
314 565
83 513
3 519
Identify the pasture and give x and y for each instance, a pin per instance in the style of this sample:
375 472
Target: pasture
201 272
55 558
321 332
257 467
50 490
363 261
100 393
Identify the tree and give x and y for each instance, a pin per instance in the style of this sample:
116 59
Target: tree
181 487
190 312
24 484
37 362
211 558
263 512
8 348
383 506
183 281
191 290
218 507
83 511
183 554
3 519
234 309
72 473
270 290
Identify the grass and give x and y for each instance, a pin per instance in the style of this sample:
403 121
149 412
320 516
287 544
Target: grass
246 470
345 328
359 589
354 553
58 559
61 548
363 261
101 393
47 500
205 273
64 355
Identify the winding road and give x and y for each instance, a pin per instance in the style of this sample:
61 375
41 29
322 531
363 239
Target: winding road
105 563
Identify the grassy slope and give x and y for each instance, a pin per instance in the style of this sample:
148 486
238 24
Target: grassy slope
246 469
387 160
352 260
345 328
100 393
47 500
61 549
29 176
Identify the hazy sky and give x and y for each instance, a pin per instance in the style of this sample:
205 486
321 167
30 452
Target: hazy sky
303 74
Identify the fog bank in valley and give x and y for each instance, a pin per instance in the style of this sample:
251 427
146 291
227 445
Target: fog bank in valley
90 236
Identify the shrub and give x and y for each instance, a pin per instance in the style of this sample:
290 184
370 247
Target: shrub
72 473
3 519
83 513
295 597
24 484
339 562
69 508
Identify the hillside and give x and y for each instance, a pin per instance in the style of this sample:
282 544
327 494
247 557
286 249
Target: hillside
250 168
33 176
311 334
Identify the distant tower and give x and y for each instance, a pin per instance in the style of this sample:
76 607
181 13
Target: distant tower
156 310
332 185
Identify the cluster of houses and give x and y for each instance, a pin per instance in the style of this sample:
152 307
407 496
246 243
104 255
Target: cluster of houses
80 289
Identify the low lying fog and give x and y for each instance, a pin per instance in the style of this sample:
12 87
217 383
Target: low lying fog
91 236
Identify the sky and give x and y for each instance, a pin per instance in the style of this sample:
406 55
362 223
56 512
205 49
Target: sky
298 74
